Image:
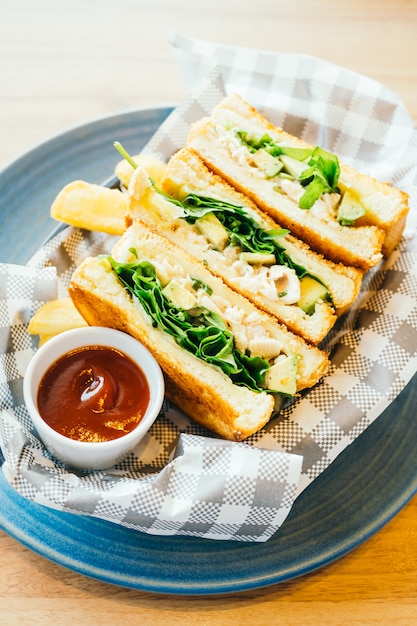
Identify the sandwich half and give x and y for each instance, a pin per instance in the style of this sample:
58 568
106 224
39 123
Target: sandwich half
346 216
222 228
226 363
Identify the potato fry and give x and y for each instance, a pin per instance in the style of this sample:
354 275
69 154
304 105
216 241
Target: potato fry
55 317
44 338
90 206
154 167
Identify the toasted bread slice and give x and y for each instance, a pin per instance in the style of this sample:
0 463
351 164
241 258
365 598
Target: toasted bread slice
375 231
199 388
186 174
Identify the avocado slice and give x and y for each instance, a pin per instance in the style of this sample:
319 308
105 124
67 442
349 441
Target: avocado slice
286 176
268 163
214 231
179 295
350 209
254 258
311 292
282 376
292 166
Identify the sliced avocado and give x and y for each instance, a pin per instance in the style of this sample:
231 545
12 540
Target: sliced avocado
179 295
254 258
214 231
311 292
268 163
282 376
292 166
350 209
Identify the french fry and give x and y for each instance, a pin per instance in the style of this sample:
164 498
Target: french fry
154 167
54 317
92 207
44 338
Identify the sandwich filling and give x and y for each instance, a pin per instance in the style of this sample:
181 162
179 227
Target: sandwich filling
208 326
258 258
308 176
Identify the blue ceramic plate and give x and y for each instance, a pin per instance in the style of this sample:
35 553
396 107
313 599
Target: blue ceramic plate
361 491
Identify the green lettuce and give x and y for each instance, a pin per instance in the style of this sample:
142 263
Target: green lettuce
243 230
200 331
320 177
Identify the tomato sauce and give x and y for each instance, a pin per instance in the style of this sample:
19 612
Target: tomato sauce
93 394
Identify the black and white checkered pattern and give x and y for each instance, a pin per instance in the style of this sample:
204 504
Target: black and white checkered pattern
182 480
354 116
177 481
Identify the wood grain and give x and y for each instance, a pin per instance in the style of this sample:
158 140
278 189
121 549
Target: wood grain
63 63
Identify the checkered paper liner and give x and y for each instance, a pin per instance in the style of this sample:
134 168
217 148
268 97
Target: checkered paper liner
181 479
357 118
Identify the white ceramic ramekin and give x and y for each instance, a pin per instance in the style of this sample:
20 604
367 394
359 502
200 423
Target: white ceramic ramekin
91 455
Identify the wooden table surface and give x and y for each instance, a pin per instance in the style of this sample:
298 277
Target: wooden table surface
64 63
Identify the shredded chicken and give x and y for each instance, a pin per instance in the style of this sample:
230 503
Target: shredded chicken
276 282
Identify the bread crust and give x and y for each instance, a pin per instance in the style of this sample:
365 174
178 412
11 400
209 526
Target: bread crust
201 390
203 403
361 245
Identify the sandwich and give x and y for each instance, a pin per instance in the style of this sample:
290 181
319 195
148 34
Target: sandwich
223 229
227 364
347 216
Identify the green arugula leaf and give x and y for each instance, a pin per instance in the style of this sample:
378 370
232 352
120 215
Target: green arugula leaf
320 177
327 163
243 230
199 284
200 331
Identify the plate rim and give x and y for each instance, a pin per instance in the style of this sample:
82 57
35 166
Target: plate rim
228 586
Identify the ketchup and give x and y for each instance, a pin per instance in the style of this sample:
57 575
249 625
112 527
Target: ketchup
93 394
